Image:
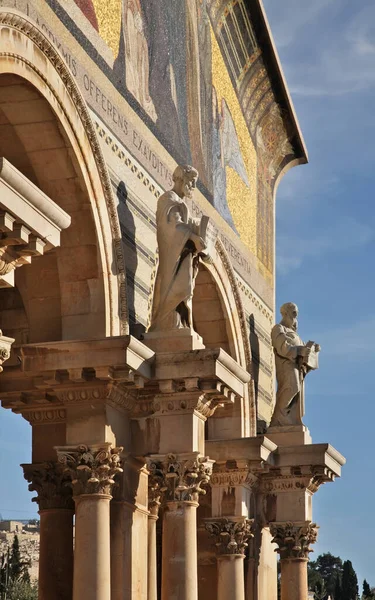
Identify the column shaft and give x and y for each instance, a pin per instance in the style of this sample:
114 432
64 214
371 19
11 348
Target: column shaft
121 550
56 554
179 562
152 588
294 584
230 577
92 579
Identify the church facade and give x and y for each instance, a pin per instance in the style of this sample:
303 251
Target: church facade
153 439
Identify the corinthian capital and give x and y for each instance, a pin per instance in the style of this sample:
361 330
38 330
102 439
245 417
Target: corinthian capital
51 484
294 539
5 345
180 477
231 535
92 469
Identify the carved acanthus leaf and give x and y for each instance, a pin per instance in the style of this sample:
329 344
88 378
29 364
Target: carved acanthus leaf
180 477
92 470
231 535
294 539
51 483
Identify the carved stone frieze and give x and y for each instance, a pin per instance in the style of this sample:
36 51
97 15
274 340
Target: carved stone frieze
54 415
288 480
180 478
294 539
5 346
52 484
80 394
201 402
233 477
92 469
231 535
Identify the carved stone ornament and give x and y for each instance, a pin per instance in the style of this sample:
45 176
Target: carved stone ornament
5 345
92 470
294 539
231 535
51 483
180 478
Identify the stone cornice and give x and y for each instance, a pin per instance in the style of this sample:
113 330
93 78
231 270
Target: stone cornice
294 539
231 535
51 483
92 469
289 479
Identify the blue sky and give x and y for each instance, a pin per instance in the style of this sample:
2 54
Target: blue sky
325 249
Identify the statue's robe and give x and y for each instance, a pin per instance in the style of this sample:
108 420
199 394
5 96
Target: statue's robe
175 275
289 408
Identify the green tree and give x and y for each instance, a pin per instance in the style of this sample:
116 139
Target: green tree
367 592
21 590
349 582
338 589
327 568
15 563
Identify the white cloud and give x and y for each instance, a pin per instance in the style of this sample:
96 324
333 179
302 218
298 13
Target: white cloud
357 340
324 52
345 234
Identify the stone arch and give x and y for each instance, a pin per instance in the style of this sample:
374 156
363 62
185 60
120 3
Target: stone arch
27 55
219 271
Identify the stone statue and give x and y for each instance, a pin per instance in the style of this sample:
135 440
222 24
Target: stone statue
294 360
181 242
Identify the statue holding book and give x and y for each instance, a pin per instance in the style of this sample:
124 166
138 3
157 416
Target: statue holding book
182 242
294 360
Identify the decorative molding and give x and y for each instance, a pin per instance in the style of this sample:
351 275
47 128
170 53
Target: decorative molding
231 535
294 539
27 27
92 469
204 403
291 480
54 415
233 478
220 249
5 346
180 477
51 483
79 394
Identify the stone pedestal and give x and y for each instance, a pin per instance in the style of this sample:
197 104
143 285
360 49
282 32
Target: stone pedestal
92 471
56 509
175 340
293 540
291 435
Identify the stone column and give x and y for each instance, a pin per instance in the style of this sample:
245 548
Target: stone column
293 540
154 495
182 478
92 471
231 537
56 509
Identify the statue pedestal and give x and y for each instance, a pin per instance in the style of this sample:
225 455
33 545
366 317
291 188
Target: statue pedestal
289 435
175 340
